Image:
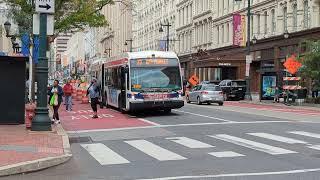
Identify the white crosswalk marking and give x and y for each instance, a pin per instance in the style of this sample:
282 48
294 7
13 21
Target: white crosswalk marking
226 154
253 145
316 147
104 155
190 143
278 138
155 151
303 133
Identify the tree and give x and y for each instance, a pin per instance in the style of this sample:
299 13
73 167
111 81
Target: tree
311 60
70 15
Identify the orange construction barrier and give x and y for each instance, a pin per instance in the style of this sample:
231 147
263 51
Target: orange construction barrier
85 99
79 95
74 93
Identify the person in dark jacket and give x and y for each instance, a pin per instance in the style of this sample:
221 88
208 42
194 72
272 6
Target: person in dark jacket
94 94
56 89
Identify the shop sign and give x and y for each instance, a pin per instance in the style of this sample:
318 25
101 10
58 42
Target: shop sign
224 64
292 65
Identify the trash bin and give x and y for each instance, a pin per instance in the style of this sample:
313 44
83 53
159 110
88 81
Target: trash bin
12 91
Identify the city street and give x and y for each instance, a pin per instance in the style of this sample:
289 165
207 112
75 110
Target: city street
232 142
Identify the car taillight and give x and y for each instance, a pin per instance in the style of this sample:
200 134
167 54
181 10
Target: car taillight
204 92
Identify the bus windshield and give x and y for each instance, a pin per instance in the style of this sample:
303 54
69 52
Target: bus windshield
156 77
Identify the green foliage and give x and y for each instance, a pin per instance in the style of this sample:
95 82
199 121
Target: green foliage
311 60
70 15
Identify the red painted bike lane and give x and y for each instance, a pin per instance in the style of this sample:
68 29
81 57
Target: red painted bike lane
81 119
276 108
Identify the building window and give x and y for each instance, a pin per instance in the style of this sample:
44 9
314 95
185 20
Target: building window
305 14
273 21
285 19
295 18
228 32
259 24
218 35
222 34
265 22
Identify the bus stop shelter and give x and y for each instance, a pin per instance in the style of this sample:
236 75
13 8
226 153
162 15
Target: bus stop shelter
12 89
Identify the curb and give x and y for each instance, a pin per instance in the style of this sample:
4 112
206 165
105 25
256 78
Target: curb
316 108
40 164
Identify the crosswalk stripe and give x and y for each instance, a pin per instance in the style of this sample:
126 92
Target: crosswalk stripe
278 138
252 145
316 147
190 143
303 133
155 151
225 154
104 155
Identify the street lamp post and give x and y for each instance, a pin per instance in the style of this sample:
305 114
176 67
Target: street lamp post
41 121
15 45
248 57
168 33
126 44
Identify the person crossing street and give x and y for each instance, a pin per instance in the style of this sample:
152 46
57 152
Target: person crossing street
94 94
67 89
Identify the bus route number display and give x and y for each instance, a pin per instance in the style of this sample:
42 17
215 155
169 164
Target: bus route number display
143 62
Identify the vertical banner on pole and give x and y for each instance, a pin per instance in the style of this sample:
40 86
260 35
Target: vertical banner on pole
239 30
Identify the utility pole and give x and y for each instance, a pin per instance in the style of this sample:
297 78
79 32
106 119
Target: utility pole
41 121
248 50
168 34
130 41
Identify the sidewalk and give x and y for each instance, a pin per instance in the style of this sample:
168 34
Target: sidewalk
305 106
24 151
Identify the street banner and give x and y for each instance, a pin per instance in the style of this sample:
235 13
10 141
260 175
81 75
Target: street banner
239 30
35 49
25 44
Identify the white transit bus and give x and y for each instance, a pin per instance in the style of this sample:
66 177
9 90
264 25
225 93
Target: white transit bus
143 80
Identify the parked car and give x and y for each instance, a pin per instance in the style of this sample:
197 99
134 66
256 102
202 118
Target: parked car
205 93
233 89
214 82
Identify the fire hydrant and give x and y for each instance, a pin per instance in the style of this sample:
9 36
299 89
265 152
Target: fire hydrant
30 113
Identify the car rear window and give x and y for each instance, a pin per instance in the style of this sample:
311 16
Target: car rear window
238 83
212 88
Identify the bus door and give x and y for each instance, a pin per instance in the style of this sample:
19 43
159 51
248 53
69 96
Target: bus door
123 94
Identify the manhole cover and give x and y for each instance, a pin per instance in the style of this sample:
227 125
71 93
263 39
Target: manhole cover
84 139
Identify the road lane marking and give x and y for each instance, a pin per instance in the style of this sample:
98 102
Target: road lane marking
278 138
316 147
303 133
225 154
190 143
200 115
104 155
155 151
252 144
149 122
298 171
175 125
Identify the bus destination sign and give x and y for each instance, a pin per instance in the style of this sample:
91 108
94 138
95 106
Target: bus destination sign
153 62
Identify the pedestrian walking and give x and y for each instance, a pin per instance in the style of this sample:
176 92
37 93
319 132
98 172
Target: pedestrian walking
55 99
68 89
276 95
94 94
315 88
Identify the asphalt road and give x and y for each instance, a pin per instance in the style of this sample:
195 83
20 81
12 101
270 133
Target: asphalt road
196 142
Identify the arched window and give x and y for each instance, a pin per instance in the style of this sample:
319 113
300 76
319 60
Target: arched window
295 16
305 14
273 21
285 19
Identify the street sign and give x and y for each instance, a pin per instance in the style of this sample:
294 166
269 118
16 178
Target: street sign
45 6
292 65
50 24
194 80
